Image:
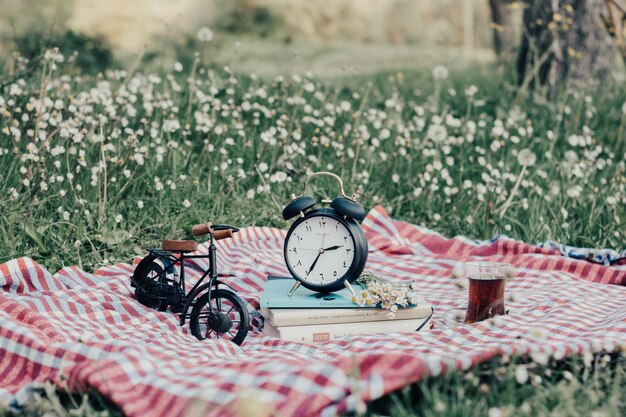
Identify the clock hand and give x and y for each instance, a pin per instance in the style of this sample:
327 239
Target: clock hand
315 261
320 253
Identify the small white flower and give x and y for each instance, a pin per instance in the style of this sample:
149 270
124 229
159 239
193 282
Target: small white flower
280 176
440 72
495 412
171 125
205 34
437 133
440 406
574 191
186 203
540 357
53 55
139 159
471 90
526 157
178 67
521 374
571 156
119 218
140 204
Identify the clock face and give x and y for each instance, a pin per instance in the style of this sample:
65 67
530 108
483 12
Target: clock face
320 250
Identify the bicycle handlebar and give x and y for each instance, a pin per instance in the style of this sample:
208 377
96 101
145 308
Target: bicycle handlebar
222 234
218 231
201 229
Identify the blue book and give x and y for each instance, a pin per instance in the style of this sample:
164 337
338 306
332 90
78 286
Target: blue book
276 295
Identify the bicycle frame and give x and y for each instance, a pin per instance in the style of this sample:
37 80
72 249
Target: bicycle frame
211 272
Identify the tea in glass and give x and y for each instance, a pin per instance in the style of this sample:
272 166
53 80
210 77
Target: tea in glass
486 289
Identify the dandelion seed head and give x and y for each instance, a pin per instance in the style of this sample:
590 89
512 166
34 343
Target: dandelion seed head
440 72
205 34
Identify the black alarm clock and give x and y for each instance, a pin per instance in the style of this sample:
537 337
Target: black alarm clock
325 248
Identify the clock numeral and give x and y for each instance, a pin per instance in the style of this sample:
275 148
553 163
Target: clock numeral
299 263
322 275
322 225
348 250
344 264
294 250
308 228
335 272
337 227
345 238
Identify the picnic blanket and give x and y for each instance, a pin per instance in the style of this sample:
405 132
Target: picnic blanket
86 331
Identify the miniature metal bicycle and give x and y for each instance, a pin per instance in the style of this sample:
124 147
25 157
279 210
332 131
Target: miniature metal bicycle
215 312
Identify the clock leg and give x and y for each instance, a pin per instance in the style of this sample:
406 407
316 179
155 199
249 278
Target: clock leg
349 287
294 288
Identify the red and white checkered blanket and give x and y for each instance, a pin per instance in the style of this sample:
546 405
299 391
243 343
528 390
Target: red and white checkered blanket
86 331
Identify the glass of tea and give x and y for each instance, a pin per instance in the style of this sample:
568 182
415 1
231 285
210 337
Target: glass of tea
486 289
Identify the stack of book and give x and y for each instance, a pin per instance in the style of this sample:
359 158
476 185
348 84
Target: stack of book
308 316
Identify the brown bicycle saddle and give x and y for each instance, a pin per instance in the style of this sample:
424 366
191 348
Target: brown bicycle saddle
179 245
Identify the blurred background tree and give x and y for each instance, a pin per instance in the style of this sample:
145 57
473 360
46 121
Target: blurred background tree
505 29
546 42
566 42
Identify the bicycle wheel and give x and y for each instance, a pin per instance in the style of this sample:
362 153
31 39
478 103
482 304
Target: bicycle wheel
147 278
224 317
154 289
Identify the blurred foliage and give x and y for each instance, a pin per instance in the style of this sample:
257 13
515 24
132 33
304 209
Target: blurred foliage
246 17
90 54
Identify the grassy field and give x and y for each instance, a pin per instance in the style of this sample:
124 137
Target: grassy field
96 168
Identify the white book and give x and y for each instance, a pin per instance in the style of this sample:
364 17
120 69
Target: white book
307 316
324 332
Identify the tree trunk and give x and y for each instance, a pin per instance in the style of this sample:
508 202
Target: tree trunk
504 42
565 42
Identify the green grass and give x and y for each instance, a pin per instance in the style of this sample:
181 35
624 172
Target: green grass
95 169
568 388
